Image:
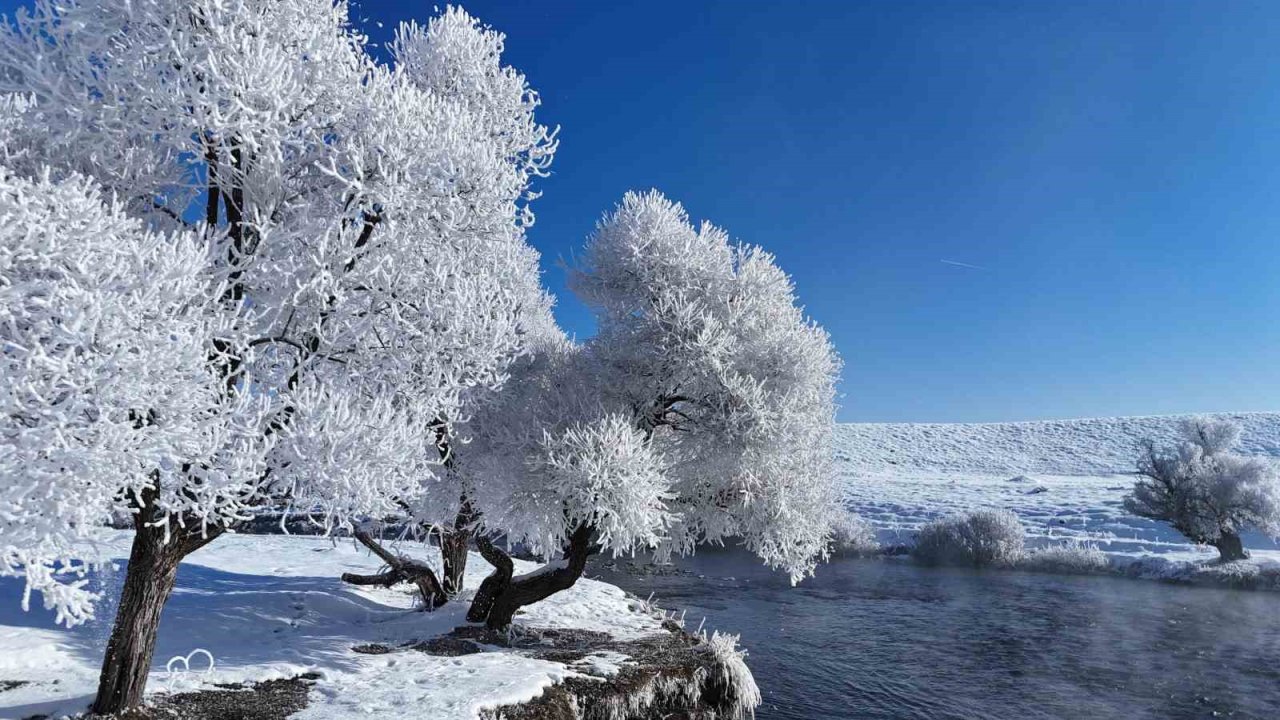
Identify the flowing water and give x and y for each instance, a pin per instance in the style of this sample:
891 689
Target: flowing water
887 639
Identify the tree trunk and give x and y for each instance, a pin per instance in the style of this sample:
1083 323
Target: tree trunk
506 594
454 547
494 585
1230 548
455 543
149 579
401 569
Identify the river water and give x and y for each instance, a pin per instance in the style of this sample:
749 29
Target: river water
887 639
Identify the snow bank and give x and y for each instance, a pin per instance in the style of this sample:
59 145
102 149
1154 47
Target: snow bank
270 606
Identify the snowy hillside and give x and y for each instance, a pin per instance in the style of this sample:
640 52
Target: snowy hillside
1095 446
1065 479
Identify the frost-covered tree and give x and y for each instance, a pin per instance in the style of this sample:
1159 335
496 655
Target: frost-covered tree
456 57
702 411
104 381
1205 491
317 259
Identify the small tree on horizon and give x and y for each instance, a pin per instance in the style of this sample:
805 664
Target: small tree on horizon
1205 491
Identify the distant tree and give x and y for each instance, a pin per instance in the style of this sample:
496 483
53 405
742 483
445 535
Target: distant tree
1205 491
703 410
243 264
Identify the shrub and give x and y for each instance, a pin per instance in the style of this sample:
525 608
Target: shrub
1071 558
982 538
851 535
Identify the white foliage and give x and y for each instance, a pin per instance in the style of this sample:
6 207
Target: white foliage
702 343
852 535
104 329
983 538
457 57
348 454
1072 557
604 473
734 677
545 457
1203 489
364 277
702 410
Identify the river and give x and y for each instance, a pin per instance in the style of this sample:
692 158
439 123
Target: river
887 639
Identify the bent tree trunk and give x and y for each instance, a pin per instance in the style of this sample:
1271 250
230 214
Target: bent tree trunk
501 595
400 569
149 580
455 543
1230 547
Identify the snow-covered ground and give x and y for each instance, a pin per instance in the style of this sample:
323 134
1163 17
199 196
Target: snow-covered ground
273 606
1065 479
269 607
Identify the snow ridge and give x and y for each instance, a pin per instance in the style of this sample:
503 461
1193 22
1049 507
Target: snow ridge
1092 446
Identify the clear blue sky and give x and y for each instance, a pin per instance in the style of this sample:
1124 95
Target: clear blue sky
1001 211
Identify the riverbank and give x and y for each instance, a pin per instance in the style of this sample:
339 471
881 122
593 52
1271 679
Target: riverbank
261 626
1249 574
1065 480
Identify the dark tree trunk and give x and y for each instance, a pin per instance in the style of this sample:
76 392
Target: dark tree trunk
455 543
1230 548
400 569
496 603
492 586
149 579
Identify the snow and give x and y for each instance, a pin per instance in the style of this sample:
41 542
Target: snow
1064 479
604 663
1091 447
271 606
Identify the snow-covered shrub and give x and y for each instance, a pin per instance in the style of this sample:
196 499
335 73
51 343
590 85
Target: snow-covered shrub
982 538
852 535
1242 574
1205 491
1071 558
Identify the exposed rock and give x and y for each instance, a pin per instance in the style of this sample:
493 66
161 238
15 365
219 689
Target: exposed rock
371 649
449 646
673 675
268 700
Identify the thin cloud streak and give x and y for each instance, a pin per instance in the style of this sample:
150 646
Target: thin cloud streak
963 265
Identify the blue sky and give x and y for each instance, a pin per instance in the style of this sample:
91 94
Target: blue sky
1000 210
1111 171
